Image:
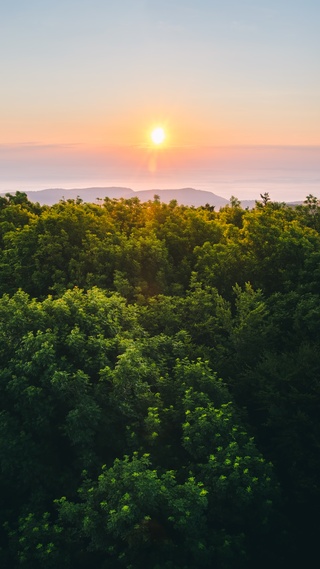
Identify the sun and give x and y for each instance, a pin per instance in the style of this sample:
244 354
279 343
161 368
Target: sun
158 135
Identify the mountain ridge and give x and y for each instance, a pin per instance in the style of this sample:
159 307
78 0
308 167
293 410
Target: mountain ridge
184 196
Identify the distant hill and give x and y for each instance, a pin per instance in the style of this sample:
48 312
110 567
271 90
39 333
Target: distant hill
54 195
184 196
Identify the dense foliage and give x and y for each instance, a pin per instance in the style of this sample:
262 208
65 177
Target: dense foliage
120 444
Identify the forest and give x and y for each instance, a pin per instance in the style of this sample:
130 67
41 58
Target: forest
159 384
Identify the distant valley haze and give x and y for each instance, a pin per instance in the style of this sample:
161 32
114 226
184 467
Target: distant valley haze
287 173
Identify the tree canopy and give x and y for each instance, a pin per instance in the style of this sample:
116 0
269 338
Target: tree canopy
159 384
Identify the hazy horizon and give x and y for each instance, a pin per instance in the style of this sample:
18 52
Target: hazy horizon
286 173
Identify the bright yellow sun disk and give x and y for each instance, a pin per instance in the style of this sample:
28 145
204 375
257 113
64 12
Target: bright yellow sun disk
158 135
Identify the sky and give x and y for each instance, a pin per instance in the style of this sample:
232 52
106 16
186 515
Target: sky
234 84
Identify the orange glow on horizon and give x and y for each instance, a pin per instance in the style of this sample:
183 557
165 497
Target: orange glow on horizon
133 129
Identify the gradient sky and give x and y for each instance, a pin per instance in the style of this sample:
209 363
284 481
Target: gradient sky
84 81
